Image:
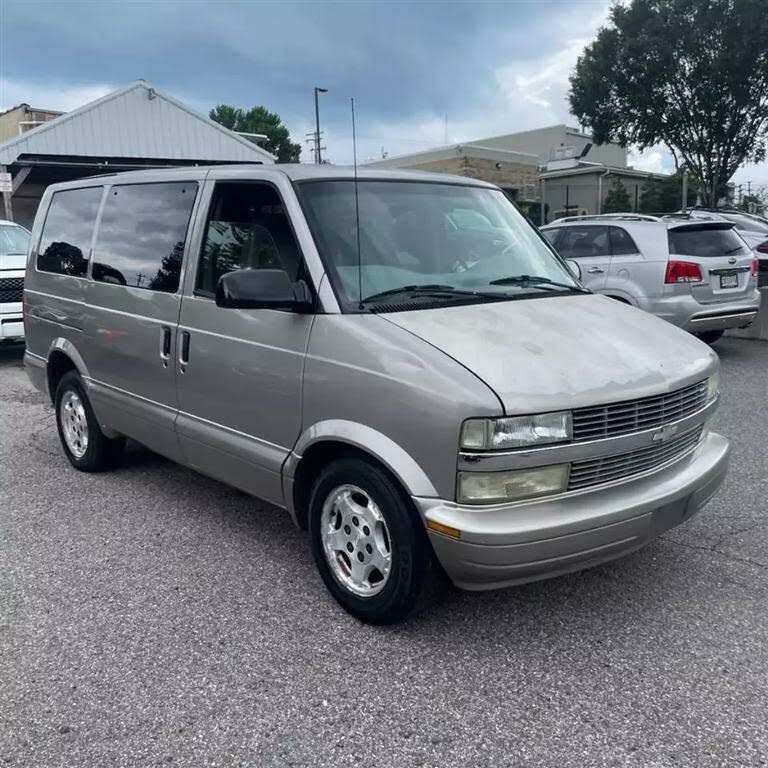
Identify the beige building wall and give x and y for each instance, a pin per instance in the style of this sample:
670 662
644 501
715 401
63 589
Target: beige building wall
21 119
508 175
544 141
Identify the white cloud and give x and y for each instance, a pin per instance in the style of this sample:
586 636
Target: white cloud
652 160
56 97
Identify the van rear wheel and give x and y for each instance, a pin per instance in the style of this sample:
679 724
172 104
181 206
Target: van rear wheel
85 445
368 543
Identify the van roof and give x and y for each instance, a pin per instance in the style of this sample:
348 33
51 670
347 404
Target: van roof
293 171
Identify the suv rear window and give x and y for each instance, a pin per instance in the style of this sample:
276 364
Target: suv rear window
705 241
66 240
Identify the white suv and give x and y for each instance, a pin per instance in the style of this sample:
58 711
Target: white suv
699 275
14 242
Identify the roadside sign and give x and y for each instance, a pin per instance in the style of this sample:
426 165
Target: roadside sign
6 182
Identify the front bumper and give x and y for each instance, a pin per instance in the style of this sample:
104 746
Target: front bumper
502 545
11 321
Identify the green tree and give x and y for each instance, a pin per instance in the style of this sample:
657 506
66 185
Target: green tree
691 74
617 199
260 120
664 194
752 203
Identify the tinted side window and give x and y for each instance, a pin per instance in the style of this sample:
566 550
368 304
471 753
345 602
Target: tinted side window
66 239
248 228
622 242
551 234
140 242
584 241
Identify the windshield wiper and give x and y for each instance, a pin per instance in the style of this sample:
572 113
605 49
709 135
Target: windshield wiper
433 289
733 250
536 281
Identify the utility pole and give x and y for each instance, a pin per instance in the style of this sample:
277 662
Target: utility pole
684 205
318 149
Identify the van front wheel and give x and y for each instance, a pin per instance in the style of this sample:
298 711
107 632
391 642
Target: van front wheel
85 445
369 545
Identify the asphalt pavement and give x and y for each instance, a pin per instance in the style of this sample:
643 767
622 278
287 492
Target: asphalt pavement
152 616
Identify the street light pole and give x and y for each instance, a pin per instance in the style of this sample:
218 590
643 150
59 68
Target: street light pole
318 158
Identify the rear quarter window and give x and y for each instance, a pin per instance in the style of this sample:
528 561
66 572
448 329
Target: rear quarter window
66 238
705 242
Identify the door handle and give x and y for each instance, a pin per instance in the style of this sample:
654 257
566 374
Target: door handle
184 350
596 270
165 345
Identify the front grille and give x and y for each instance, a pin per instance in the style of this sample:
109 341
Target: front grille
598 422
11 289
609 468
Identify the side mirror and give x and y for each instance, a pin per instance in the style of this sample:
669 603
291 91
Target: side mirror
262 289
574 267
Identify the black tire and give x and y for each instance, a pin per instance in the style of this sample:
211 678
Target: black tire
101 452
710 337
412 567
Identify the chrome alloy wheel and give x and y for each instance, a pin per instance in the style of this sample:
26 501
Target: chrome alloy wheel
356 541
74 423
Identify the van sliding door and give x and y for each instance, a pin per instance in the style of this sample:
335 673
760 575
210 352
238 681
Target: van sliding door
134 300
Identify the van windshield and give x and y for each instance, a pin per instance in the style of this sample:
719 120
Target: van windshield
13 240
428 243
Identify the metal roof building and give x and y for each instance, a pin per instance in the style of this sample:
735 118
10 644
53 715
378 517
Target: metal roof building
133 127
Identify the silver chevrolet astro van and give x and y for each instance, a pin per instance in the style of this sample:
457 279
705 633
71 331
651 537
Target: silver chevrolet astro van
401 362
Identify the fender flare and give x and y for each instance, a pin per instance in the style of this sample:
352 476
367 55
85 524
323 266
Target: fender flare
60 344
368 440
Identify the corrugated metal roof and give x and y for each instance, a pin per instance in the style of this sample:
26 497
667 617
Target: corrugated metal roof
137 121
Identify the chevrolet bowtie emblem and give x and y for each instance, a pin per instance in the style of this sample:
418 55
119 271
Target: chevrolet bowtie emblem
665 433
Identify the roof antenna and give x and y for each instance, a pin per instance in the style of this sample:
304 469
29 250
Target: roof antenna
357 211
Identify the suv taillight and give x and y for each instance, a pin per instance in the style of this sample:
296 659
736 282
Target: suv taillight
682 272
755 267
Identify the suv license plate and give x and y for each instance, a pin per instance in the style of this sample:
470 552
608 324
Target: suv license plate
730 280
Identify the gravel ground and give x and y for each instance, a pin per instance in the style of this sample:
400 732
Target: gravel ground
152 616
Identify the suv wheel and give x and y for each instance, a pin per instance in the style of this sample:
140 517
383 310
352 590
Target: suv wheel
710 337
368 543
86 446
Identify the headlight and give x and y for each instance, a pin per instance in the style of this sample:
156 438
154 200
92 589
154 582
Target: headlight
516 431
512 485
713 386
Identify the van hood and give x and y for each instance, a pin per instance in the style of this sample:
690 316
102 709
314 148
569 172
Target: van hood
563 352
13 261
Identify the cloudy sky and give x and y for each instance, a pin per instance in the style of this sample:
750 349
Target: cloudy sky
491 68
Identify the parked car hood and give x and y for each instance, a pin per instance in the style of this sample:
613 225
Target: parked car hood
13 260
563 351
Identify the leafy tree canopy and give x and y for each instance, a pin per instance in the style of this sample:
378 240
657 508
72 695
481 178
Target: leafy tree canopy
617 200
691 74
665 194
260 120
